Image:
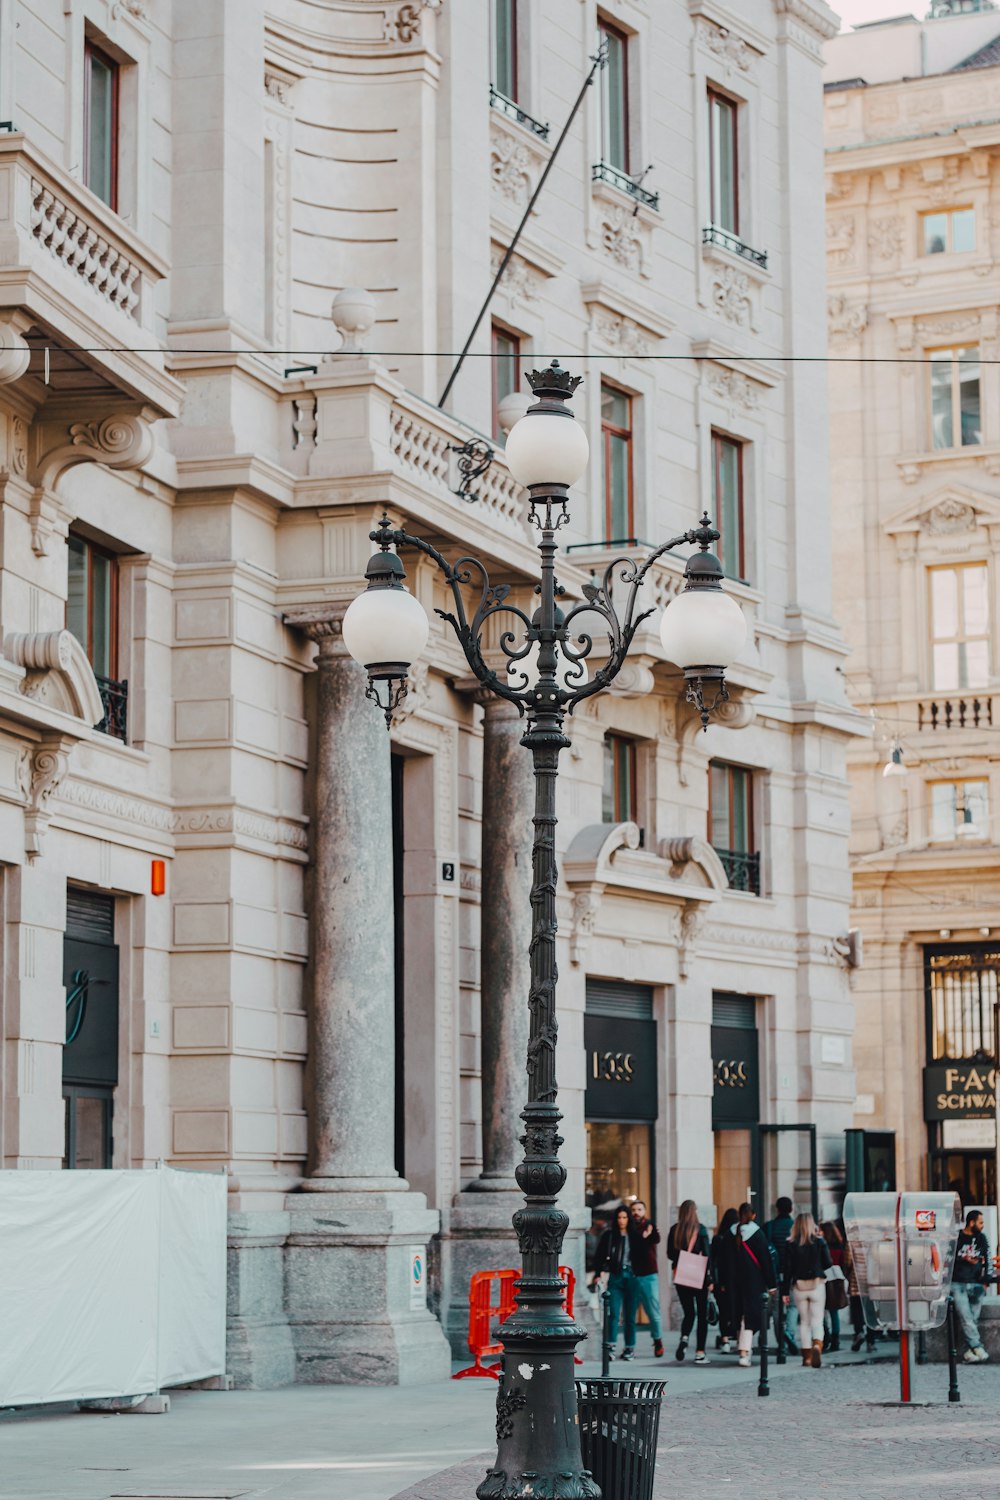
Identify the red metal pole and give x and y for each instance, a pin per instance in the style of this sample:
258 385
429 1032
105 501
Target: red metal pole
904 1366
904 1337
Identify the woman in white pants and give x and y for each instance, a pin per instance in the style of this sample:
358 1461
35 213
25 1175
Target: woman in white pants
806 1261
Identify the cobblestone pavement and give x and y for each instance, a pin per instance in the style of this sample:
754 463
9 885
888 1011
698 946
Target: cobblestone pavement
825 1433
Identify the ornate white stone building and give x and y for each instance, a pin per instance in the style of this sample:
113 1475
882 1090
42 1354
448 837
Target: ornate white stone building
243 927
913 237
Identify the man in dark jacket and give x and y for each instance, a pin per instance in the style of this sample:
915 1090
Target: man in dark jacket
968 1284
645 1239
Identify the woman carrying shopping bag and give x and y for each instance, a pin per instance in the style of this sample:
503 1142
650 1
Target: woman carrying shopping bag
807 1260
688 1254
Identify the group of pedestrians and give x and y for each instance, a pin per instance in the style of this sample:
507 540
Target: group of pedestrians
743 1263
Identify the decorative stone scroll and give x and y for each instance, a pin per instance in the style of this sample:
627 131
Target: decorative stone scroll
119 441
58 673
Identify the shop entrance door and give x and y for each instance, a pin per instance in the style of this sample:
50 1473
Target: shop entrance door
734 1166
90 1053
785 1167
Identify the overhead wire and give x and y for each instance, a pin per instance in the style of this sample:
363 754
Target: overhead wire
575 355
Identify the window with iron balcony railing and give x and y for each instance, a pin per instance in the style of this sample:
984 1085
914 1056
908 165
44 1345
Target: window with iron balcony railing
731 825
92 616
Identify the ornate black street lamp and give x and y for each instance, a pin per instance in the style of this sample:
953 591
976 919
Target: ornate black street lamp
702 631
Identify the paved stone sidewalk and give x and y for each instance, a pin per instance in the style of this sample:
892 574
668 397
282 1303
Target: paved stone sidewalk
817 1434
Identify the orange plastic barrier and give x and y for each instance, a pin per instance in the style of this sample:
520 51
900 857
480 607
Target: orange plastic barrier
486 1315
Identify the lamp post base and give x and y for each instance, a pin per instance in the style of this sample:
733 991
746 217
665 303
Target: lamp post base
538 1445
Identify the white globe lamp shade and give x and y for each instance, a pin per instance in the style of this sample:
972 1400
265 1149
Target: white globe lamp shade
702 628
385 626
547 447
523 675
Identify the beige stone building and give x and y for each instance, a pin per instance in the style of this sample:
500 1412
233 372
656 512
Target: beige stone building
913 242
243 927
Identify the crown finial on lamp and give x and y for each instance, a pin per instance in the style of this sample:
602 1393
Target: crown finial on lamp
552 387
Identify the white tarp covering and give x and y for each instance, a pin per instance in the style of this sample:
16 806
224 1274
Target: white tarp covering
111 1283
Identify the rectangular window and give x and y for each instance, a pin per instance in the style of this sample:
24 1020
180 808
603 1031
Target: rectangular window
616 436
723 162
506 371
962 991
614 97
92 616
727 485
955 406
505 48
620 803
960 625
948 231
731 824
100 124
959 809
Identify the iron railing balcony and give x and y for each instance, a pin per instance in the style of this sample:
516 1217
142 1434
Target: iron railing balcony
114 696
515 112
742 870
603 171
712 235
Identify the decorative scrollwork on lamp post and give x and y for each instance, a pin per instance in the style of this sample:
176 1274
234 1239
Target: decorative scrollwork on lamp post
546 676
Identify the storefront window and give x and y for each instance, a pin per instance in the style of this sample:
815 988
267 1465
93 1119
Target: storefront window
621 1101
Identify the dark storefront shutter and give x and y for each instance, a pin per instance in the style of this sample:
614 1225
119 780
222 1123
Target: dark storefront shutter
613 997
735 1011
90 915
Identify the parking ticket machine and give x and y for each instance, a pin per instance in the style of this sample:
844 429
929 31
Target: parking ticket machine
903 1246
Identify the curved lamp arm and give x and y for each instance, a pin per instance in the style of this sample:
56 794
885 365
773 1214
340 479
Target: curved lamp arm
598 599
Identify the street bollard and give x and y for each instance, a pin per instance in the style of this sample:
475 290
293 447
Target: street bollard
954 1394
763 1389
779 1323
605 1333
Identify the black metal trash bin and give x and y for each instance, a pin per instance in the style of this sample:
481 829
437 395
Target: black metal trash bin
619 1425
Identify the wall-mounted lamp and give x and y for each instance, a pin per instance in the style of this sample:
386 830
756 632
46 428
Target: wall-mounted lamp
944 932
894 765
158 877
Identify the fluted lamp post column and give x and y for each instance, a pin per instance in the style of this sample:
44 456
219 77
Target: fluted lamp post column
702 631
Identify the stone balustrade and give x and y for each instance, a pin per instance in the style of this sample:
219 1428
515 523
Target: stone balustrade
354 418
427 443
48 220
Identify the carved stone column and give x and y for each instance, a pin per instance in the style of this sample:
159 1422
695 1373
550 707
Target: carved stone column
355 1309
350 1074
477 1233
508 797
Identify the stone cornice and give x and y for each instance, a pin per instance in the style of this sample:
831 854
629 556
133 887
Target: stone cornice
815 15
187 825
323 623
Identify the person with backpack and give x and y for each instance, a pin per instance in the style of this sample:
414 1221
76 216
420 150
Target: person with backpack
688 1252
776 1232
807 1260
969 1281
754 1276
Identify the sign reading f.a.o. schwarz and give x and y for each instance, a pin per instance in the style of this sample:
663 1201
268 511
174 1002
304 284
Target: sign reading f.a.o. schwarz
961 1089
